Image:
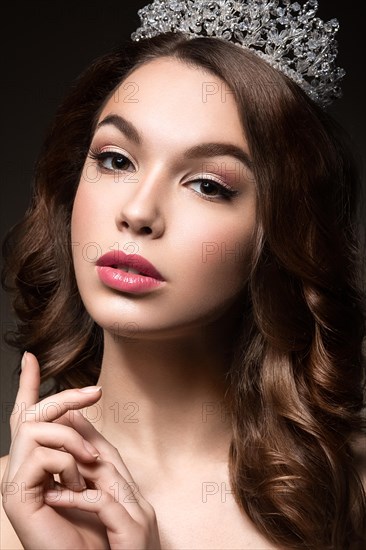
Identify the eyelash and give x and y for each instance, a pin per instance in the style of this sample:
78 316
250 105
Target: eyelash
226 192
99 156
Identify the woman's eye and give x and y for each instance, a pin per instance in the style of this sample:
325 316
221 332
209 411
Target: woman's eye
212 189
110 160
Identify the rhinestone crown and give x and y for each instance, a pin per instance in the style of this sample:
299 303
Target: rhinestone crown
287 35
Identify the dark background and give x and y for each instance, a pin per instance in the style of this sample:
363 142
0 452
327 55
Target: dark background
45 45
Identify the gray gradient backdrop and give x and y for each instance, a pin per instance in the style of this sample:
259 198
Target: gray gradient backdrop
46 45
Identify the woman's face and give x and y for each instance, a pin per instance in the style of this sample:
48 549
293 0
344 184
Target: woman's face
141 192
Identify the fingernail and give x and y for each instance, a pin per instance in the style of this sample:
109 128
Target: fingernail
82 482
92 450
24 360
90 389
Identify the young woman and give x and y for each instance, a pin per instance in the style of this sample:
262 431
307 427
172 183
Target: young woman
189 275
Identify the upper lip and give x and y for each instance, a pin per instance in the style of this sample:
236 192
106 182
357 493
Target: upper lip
117 257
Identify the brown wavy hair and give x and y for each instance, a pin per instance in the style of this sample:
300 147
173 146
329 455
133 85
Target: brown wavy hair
297 376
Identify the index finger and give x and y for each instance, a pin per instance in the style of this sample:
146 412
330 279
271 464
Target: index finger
56 405
28 407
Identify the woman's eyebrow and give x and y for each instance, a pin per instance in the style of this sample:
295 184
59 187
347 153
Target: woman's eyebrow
214 149
211 149
123 125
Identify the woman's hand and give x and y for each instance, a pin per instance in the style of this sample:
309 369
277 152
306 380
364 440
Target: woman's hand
47 439
129 519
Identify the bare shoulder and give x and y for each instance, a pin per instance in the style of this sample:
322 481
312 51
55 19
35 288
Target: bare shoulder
8 537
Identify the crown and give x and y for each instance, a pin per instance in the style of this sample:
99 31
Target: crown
286 35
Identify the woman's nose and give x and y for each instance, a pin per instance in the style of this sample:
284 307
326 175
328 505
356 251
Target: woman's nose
141 213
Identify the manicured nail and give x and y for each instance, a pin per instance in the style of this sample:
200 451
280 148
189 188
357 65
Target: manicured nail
92 450
90 389
24 360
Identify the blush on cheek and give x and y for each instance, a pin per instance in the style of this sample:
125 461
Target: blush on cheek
227 254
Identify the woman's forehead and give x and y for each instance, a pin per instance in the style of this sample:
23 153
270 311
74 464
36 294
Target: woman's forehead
168 97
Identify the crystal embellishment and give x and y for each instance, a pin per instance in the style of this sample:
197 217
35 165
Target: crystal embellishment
287 35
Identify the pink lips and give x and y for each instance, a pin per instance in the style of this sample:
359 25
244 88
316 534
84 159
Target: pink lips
110 270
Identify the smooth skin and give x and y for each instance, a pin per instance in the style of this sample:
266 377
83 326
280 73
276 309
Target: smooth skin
163 384
52 437
158 423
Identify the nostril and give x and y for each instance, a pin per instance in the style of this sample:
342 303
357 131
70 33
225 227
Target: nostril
146 230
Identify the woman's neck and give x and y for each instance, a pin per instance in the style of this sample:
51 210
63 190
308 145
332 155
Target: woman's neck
165 399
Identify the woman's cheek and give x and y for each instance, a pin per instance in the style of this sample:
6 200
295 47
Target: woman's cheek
218 261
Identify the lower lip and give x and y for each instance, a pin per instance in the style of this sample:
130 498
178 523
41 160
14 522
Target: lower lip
127 282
